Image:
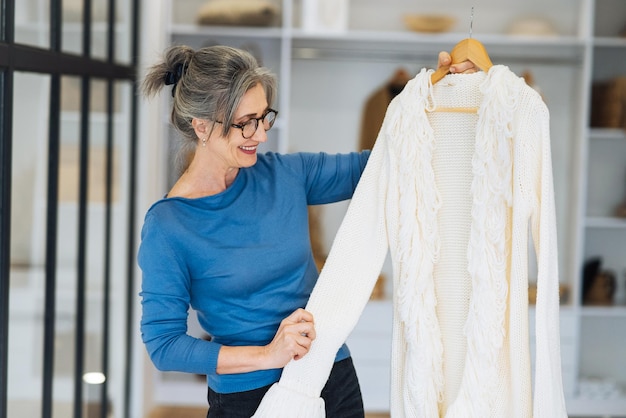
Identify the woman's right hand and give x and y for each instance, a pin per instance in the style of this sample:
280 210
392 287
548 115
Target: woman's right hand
292 340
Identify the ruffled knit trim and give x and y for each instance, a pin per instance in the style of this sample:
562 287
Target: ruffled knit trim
419 204
414 139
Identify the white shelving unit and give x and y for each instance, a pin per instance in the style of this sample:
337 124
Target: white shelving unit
325 78
603 329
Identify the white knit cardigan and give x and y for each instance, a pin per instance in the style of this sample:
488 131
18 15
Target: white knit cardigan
452 197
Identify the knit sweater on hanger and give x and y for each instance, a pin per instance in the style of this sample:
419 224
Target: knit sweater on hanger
452 197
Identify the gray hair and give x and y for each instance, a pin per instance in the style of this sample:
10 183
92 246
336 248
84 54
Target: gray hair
207 83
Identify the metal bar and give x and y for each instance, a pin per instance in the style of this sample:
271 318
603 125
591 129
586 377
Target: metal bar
7 20
110 97
56 25
51 246
33 59
130 271
132 190
4 56
51 214
81 270
104 402
7 30
79 352
6 142
111 13
86 28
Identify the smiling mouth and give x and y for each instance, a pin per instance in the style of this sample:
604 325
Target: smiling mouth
252 148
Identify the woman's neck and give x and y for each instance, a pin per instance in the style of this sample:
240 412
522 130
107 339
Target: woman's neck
202 179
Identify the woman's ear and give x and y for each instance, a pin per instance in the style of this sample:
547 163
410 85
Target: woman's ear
201 127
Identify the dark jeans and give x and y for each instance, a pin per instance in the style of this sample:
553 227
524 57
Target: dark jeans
342 396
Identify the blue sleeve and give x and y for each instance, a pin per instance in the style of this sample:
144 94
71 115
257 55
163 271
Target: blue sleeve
165 306
332 178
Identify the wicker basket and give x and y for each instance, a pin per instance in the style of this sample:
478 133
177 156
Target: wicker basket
428 23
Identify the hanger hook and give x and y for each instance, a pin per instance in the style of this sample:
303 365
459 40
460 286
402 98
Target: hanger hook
471 22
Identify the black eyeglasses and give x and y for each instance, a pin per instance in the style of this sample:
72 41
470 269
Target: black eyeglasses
249 128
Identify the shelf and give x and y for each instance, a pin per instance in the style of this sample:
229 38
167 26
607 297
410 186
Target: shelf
489 38
605 222
595 407
607 133
231 31
408 45
604 311
609 42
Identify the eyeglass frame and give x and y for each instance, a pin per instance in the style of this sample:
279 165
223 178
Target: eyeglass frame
257 120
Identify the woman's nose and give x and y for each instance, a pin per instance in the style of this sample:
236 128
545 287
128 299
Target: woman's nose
260 135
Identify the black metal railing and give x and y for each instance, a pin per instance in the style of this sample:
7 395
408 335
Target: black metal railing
54 62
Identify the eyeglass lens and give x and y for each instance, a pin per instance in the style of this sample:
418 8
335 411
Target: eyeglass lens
252 125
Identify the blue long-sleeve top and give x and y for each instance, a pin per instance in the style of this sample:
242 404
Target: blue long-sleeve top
241 259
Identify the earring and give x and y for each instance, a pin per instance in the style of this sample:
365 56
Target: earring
204 142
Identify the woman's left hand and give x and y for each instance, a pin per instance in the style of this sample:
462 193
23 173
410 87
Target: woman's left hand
464 67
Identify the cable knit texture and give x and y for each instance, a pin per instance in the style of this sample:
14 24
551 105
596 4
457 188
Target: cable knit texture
451 196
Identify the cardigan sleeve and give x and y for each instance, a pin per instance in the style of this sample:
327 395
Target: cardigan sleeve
339 297
549 400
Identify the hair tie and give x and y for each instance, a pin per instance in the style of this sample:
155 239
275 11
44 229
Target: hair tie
172 77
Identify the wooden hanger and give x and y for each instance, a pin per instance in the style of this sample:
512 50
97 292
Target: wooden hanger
467 50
